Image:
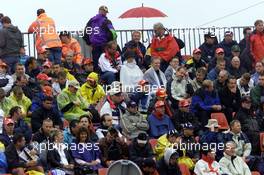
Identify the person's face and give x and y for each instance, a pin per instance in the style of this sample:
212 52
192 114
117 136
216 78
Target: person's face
65 39
210 88
174 63
161 110
180 74
248 32
261 81
188 132
20 70
47 104
73 89
89 67
230 149
19 95
228 38
69 58
84 122
212 155
200 77
222 77
19 113
83 137
62 80
110 137
59 138
56 68
236 128
75 129
243 82
209 40
112 50
130 60
9 128
197 56
173 160
259 67
246 104
92 83
159 31
2 70
108 121
156 64
136 37
117 98
132 109
21 143
235 54
232 84
47 127
221 66
172 139
220 55
34 64
260 27
46 70
235 63
184 108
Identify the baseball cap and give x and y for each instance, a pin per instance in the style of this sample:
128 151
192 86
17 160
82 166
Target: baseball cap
131 104
87 61
219 50
197 51
47 90
142 138
161 92
142 82
235 48
173 132
210 35
47 64
74 84
104 8
228 33
8 121
184 103
159 104
187 126
42 76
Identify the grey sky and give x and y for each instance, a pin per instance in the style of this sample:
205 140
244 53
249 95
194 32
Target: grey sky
73 14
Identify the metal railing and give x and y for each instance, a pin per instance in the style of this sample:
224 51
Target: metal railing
192 37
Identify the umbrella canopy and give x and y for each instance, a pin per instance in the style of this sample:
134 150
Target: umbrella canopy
142 12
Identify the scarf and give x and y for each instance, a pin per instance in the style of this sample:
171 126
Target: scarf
113 59
158 115
210 161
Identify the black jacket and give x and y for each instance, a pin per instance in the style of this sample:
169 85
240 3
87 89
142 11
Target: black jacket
229 99
54 158
137 154
40 137
13 158
11 41
41 114
236 72
164 169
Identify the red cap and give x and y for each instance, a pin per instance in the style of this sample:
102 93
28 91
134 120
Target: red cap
87 61
47 64
161 93
47 90
184 103
159 104
42 49
197 51
142 82
8 121
42 76
219 50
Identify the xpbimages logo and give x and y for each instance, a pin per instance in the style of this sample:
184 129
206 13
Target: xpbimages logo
50 29
80 147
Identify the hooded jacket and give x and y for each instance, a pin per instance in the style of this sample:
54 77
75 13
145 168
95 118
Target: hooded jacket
11 41
164 167
92 95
